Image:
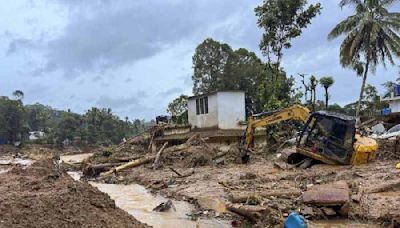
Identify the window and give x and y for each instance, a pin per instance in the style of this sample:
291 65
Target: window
202 105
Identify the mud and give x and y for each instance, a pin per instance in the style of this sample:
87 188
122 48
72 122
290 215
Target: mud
43 195
211 187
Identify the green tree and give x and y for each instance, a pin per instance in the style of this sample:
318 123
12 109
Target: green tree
209 63
178 109
371 37
282 21
18 94
13 125
326 82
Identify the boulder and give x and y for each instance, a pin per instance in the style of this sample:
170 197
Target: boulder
332 194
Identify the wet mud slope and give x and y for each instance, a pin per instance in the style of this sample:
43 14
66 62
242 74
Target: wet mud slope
43 195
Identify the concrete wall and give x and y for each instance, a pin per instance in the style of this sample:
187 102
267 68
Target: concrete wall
395 105
231 110
208 120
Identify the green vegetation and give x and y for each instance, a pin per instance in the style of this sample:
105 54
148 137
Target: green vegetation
282 21
178 109
371 38
326 82
96 126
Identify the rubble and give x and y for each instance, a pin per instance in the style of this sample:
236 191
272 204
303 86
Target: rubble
331 194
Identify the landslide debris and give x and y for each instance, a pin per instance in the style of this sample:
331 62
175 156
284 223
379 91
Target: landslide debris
43 195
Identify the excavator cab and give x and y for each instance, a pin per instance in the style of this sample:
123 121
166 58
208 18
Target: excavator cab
328 137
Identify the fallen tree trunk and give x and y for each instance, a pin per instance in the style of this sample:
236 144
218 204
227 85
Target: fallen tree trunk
156 163
128 159
242 197
251 212
94 170
129 165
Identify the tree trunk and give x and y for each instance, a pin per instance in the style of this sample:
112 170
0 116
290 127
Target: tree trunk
361 93
326 98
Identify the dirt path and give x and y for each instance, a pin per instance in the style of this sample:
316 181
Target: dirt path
43 195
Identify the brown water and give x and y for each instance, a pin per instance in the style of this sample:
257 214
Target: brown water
137 201
75 158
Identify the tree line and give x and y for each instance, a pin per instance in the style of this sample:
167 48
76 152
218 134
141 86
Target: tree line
95 126
371 37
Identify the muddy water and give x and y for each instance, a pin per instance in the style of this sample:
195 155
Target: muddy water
75 158
137 201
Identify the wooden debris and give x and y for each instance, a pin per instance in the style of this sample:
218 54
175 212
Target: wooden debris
177 173
251 212
156 163
129 165
94 170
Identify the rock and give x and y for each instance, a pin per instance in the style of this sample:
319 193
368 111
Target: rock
165 206
328 211
344 210
247 176
337 193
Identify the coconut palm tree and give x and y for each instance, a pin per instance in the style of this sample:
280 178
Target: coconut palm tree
326 82
371 37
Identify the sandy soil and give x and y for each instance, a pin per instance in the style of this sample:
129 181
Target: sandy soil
43 195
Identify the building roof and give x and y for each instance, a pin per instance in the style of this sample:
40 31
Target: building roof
215 92
391 98
336 115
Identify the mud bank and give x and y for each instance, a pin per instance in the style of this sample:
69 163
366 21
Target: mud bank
43 195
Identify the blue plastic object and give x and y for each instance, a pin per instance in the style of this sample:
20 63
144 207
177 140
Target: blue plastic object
294 220
396 90
386 111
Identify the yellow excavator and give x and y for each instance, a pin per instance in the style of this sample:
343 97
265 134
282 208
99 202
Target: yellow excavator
326 136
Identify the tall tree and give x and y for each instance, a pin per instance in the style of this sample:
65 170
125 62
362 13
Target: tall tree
371 37
313 88
326 82
209 63
282 21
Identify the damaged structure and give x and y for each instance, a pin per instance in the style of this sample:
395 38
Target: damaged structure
218 110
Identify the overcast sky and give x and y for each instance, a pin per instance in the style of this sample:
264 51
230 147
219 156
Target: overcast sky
135 56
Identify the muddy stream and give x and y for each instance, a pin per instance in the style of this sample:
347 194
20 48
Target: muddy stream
139 202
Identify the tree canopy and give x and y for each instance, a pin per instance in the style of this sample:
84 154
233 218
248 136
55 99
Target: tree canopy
282 21
371 37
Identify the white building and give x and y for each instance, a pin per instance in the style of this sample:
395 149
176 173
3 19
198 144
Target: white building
220 110
393 101
35 135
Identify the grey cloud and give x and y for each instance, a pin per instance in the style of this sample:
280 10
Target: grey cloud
20 43
111 102
127 31
169 92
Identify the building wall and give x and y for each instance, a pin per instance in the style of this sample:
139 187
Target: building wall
231 110
209 120
395 105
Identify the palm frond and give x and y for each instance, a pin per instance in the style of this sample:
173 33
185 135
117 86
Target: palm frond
344 26
349 2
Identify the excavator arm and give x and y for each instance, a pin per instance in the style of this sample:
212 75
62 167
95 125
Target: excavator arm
296 112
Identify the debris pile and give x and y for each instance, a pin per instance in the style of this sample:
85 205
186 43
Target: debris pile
389 149
43 195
